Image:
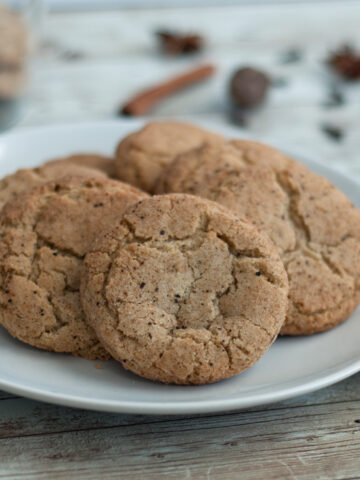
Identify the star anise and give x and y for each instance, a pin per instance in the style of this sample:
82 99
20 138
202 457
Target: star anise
346 62
178 44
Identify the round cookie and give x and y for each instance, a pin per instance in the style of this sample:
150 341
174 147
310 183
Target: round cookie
183 291
12 82
14 39
205 159
141 156
45 234
25 179
314 226
91 160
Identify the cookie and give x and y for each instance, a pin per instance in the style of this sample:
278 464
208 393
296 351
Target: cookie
182 291
141 156
25 179
13 39
314 226
91 160
207 159
45 234
12 83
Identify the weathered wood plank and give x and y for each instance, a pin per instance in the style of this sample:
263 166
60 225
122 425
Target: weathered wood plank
91 62
128 33
6 396
320 442
20 417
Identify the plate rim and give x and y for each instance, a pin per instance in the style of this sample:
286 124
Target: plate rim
336 374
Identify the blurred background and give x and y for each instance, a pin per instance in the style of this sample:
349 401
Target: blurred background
287 72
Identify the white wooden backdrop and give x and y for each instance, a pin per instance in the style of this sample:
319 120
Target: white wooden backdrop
81 5
87 65
90 63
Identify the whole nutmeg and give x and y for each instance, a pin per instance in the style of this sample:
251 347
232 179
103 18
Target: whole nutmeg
248 87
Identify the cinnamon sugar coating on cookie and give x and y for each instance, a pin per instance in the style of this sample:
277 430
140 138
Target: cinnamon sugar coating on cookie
142 156
25 179
44 236
103 163
182 291
314 226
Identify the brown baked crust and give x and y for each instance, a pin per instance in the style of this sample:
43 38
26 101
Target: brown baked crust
90 160
182 291
44 236
26 179
314 226
141 156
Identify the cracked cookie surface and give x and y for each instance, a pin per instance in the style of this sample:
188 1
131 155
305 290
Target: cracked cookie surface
314 226
91 160
26 179
44 236
142 155
182 291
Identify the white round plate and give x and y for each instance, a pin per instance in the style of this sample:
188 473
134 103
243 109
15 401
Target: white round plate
292 366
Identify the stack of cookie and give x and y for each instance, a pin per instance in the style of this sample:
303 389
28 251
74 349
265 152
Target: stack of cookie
13 50
183 258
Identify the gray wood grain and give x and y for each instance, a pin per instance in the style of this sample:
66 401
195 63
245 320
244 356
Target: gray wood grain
306 441
5 395
20 417
299 438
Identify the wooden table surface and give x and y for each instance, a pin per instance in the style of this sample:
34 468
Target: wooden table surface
86 66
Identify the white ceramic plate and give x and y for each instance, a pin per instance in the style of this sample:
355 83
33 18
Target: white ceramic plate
293 366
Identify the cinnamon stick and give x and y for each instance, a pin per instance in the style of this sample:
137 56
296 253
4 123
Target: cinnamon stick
146 100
